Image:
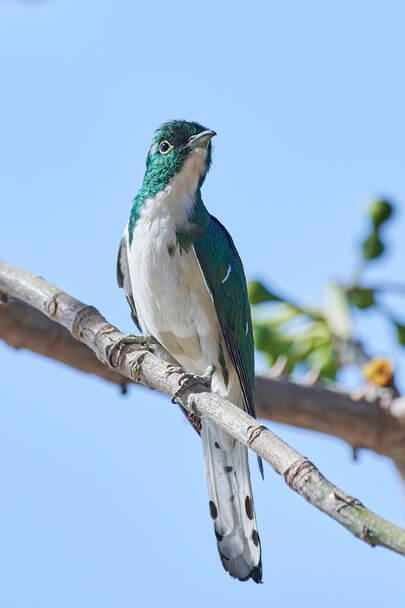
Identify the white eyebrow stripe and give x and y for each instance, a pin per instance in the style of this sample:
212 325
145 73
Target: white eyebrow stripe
228 272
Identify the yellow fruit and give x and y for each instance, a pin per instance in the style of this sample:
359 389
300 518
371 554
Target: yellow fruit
378 372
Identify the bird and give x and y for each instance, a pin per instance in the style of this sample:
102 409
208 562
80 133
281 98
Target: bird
186 287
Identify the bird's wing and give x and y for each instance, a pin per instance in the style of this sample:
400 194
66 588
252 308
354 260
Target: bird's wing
123 277
225 277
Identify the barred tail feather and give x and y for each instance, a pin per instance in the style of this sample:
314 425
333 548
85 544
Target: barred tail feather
231 503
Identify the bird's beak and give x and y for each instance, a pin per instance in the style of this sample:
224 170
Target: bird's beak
201 140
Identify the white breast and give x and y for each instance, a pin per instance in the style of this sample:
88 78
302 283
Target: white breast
172 300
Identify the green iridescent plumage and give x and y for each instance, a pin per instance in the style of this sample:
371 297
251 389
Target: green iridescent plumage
223 272
160 169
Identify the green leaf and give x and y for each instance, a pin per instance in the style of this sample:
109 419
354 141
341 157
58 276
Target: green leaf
258 293
322 359
270 341
380 211
400 333
337 311
372 246
361 297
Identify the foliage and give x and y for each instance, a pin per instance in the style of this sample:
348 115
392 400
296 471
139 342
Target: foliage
323 339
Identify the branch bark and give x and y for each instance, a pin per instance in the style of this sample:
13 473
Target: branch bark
358 422
24 327
86 325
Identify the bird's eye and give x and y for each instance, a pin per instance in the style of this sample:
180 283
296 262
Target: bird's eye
165 147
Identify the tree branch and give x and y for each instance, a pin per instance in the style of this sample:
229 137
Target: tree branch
22 326
361 423
139 365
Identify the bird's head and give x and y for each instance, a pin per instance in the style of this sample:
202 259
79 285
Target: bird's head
178 147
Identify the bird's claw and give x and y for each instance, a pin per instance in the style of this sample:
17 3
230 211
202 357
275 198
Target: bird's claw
188 380
173 369
127 339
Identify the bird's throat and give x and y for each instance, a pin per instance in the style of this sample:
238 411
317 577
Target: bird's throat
177 201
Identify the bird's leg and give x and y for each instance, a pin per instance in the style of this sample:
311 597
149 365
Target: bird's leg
188 380
128 339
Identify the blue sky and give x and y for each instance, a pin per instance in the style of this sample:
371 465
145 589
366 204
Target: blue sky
103 498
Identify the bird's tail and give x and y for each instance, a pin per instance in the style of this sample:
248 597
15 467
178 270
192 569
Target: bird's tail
231 503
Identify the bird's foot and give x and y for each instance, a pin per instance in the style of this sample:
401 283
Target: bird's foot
188 380
173 369
195 421
127 339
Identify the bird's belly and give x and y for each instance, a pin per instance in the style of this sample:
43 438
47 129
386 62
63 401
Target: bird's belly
173 302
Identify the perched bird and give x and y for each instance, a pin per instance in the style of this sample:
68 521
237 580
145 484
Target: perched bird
185 283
